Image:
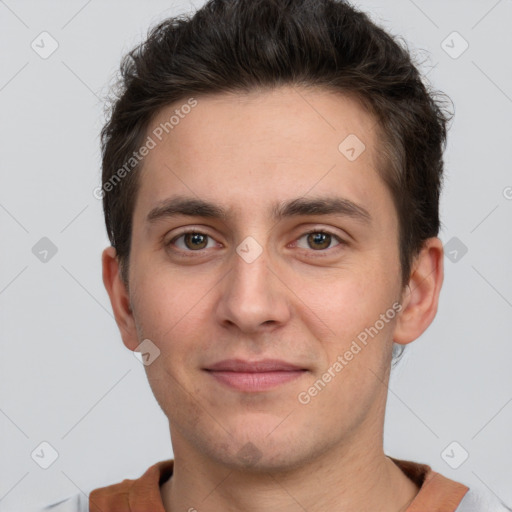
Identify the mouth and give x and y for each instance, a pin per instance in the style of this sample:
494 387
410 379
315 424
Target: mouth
254 376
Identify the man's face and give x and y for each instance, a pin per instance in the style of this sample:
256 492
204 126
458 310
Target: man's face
252 286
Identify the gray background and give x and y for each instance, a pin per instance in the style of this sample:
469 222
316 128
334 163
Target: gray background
67 379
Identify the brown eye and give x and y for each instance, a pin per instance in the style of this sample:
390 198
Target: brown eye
319 240
195 240
192 241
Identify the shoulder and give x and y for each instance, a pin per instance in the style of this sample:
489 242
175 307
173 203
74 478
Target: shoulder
438 492
144 489
479 500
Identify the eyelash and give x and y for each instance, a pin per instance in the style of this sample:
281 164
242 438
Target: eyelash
319 252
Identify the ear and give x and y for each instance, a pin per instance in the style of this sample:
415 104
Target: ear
421 296
119 298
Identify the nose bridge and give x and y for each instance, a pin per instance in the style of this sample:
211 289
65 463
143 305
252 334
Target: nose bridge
250 269
251 295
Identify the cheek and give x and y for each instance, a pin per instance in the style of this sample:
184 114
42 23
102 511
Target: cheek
166 303
172 321
172 313
360 316
350 300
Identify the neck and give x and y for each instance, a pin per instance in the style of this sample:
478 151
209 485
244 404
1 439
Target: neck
358 478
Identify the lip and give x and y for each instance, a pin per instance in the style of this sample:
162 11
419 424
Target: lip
254 376
264 365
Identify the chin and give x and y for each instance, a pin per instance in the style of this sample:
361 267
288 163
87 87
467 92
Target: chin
260 460
269 448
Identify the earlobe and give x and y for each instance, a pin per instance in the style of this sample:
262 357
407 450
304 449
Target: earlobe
421 296
119 298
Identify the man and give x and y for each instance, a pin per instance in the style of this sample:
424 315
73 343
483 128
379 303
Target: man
271 181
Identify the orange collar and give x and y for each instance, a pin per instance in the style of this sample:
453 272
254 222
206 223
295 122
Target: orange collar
437 493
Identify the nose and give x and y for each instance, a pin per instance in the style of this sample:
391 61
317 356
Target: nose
253 296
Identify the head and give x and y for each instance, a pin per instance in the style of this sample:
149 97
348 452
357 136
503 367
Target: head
256 118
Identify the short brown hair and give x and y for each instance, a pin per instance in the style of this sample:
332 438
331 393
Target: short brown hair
239 46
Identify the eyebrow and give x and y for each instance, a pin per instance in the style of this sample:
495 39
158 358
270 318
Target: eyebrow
194 207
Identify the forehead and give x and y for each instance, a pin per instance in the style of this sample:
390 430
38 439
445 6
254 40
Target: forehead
275 145
272 120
